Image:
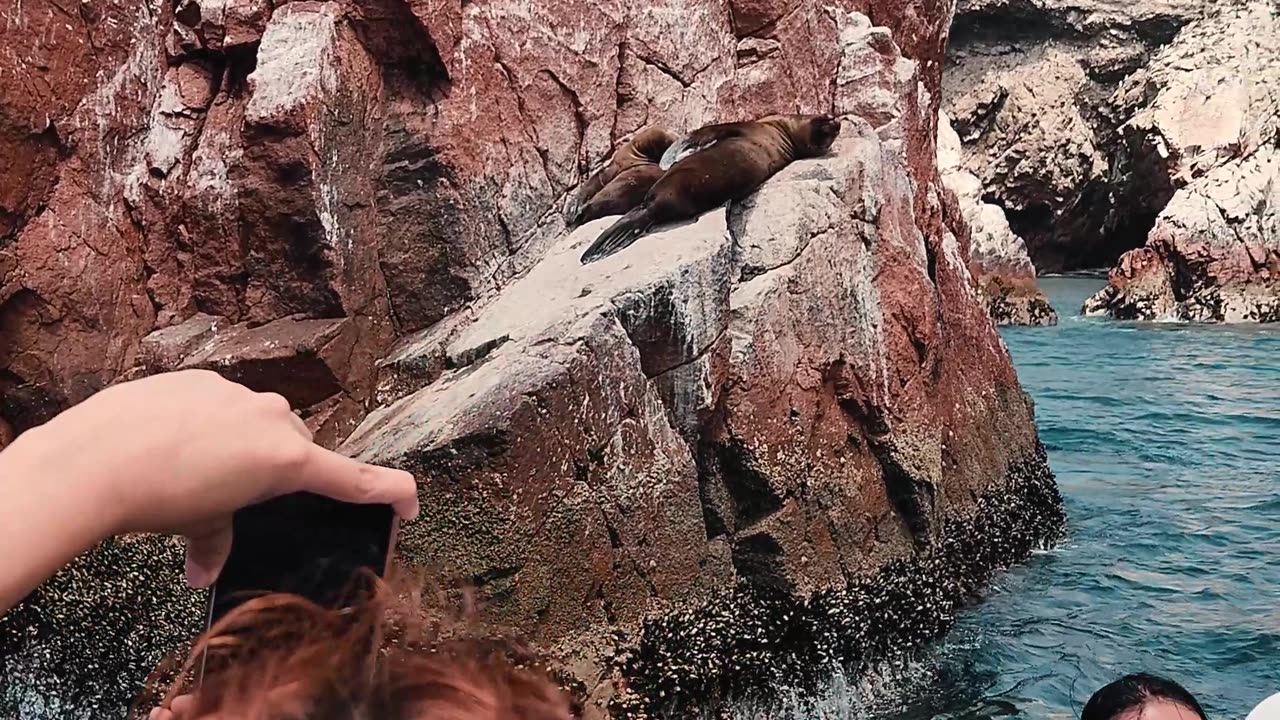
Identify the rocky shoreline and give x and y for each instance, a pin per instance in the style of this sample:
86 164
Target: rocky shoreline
744 644
779 646
1207 113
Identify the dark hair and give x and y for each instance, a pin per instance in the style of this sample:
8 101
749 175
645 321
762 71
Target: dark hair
1134 691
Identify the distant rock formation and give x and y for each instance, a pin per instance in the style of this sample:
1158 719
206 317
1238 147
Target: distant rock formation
754 435
1005 277
1205 116
1028 88
1104 127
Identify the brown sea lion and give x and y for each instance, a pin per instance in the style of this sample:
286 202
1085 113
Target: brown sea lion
621 184
718 164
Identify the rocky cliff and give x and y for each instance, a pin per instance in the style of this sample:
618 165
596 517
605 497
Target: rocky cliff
750 449
1028 88
1102 127
1206 115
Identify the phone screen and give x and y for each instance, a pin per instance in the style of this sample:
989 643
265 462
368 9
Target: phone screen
304 544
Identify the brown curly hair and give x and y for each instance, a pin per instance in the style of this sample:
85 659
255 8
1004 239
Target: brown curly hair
281 657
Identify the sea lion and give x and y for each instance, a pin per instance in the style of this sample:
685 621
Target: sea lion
621 184
717 164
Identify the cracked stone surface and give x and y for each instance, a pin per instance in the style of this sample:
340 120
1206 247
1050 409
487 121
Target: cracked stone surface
393 159
1207 114
358 204
1102 128
1213 256
1028 89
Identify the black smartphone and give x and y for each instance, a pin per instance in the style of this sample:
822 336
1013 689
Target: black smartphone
303 544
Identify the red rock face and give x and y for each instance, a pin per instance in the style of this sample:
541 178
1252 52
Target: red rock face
213 169
358 205
43 84
380 158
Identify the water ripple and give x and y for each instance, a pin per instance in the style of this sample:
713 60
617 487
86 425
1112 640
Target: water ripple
1166 442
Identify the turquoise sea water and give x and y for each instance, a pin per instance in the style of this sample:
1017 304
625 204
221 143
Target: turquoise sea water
1166 443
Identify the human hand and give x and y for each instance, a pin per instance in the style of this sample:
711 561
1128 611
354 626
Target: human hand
180 709
180 452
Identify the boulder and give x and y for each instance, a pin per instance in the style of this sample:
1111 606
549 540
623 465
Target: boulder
1205 115
1213 256
552 431
768 398
1005 276
795 405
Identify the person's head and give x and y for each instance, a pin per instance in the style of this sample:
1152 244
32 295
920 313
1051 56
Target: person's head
1142 696
280 657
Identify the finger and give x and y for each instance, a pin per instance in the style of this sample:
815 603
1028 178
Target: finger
341 478
207 552
276 401
279 404
182 706
197 374
300 426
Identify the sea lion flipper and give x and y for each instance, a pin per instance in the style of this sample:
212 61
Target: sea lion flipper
698 140
679 151
589 190
591 211
583 213
618 236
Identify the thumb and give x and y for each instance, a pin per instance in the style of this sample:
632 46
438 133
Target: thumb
207 552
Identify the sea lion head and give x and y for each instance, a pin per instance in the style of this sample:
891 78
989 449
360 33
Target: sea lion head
651 142
813 135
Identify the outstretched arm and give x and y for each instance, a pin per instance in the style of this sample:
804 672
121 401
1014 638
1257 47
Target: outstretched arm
175 453
46 518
